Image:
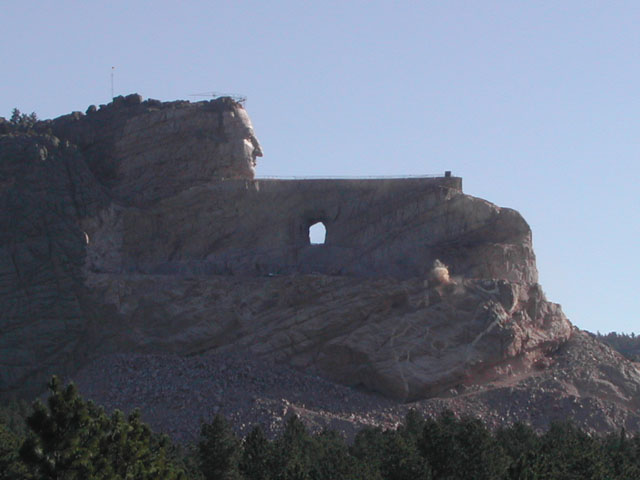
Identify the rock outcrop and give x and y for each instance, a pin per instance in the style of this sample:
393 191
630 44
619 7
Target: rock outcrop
45 191
375 228
146 151
139 228
394 337
64 187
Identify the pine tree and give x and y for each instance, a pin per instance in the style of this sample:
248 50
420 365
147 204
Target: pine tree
291 457
72 439
330 457
62 441
23 121
256 456
132 450
402 460
369 449
11 467
219 450
412 427
568 453
521 444
462 449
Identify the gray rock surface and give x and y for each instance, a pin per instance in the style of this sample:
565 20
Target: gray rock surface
146 151
45 322
396 337
139 229
375 228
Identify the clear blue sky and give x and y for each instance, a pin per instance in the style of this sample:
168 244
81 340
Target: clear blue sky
534 104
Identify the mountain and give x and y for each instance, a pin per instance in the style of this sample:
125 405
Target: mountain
140 256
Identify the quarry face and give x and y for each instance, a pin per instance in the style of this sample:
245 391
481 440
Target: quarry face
141 228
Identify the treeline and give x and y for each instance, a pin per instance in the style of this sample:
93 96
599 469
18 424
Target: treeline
19 122
626 344
70 438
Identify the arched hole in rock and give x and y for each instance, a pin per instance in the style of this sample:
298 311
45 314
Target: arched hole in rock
317 233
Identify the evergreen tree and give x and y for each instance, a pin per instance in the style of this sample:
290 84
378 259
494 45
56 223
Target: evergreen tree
627 345
219 450
369 450
621 458
11 467
13 416
402 460
22 121
330 457
132 450
63 440
392 454
256 456
568 453
521 444
73 439
413 425
462 449
291 451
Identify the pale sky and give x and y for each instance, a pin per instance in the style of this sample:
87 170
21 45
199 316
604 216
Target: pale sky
534 104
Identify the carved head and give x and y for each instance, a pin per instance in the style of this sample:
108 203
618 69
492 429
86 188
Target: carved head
244 147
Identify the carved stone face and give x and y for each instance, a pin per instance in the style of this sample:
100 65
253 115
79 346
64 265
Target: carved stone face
243 145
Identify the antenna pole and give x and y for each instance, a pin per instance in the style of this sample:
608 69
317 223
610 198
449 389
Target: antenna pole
112 69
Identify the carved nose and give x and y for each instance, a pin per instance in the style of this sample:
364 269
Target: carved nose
258 148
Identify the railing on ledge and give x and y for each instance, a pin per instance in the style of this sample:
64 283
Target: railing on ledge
350 177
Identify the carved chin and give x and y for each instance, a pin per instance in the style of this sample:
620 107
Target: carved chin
249 155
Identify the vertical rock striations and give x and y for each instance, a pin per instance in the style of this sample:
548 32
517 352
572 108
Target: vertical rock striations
45 191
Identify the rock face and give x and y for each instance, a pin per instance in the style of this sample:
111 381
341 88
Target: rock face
45 190
146 151
140 228
375 228
394 337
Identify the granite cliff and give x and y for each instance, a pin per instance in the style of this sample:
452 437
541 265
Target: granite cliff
139 228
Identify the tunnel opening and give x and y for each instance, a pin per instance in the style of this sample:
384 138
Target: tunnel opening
317 233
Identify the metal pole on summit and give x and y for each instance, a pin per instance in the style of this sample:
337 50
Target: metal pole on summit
112 69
